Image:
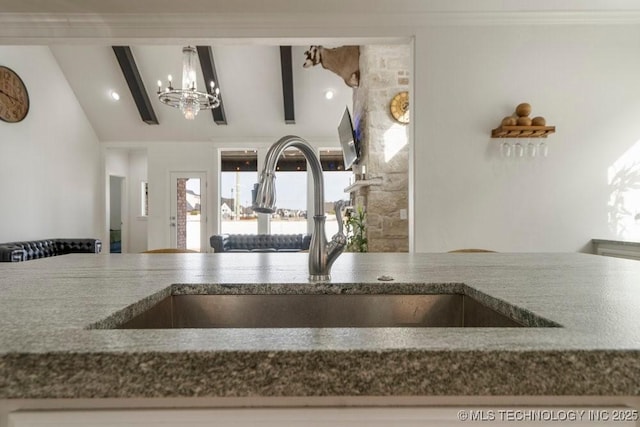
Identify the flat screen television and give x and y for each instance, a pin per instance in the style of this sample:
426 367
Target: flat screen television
348 141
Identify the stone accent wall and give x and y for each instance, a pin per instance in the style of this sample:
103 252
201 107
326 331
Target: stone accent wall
181 218
384 71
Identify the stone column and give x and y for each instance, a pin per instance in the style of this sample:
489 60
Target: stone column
384 72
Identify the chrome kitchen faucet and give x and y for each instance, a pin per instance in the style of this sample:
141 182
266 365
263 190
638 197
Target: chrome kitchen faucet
322 254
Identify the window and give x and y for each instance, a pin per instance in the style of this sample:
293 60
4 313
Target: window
291 191
239 171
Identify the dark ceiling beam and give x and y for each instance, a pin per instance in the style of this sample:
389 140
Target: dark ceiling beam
286 65
138 91
208 66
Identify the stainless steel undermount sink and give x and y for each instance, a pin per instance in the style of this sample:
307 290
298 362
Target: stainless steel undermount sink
318 311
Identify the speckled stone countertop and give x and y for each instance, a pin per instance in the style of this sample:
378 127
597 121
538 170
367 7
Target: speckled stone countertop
50 347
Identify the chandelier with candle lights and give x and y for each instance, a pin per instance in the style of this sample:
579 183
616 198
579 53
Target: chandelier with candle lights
188 99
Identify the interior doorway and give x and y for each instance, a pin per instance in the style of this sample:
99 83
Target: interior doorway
188 220
116 213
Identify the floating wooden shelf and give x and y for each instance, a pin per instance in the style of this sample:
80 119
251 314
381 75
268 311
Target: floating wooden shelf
522 131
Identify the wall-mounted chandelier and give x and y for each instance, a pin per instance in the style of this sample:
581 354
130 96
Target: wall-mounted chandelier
188 99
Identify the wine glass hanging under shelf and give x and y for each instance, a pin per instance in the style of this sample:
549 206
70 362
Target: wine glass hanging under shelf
524 147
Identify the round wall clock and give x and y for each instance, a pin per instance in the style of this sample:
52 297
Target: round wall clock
14 98
400 107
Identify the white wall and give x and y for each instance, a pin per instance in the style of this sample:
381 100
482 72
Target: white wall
583 79
49 162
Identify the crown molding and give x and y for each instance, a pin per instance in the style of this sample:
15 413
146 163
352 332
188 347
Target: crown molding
48 28
536 18
222 142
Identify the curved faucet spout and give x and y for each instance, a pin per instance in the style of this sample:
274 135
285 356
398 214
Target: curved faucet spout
321 253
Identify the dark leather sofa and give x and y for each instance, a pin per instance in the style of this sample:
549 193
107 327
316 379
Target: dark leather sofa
260 242
34 249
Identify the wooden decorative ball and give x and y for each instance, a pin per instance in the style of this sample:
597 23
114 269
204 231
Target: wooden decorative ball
509 121
524 121
523 110
538 121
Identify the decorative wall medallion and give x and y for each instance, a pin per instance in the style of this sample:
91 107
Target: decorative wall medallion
400 107
14 98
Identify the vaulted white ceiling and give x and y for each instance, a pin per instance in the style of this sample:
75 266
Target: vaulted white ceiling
249 79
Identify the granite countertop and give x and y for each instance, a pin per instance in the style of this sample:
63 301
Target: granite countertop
49 349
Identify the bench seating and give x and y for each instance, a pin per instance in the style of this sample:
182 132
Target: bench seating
260 242
34 249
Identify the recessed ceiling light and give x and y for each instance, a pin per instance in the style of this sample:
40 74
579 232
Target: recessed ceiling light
114 95
328 94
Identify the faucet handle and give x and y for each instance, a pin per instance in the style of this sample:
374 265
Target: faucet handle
337 207
339 240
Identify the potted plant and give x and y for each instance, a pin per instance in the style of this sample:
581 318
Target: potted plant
357 230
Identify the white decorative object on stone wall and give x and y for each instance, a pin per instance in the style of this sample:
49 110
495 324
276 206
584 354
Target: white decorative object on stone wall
358 184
